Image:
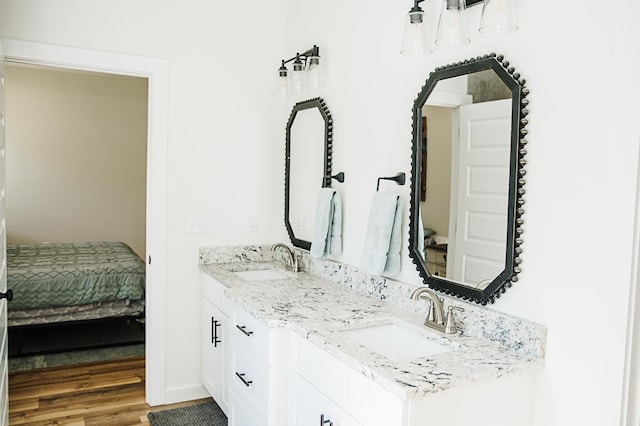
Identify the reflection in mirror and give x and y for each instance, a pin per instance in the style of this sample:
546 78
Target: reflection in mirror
308 167
466 179
465 187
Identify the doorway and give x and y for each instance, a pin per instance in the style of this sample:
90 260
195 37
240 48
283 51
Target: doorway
155 70
76 173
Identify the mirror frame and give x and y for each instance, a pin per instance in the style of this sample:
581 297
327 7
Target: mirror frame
516 84
328 147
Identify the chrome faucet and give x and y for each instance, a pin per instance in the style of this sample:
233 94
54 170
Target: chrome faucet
435 315
293 264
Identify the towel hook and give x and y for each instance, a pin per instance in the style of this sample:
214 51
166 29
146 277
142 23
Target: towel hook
338 176
399 179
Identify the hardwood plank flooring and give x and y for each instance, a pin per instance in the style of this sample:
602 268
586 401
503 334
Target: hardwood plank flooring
106 393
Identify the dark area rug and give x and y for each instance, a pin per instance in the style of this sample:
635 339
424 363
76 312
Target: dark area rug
206 414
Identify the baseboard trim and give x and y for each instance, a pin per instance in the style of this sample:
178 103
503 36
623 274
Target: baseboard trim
184 393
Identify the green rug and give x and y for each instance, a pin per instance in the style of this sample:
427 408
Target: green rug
206 414
75 357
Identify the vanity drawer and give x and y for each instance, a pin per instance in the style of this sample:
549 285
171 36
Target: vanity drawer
249 380
213 291
362 398
251 332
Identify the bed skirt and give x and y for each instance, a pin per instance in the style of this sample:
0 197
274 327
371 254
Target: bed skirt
38 316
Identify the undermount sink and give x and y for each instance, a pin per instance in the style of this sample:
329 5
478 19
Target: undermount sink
261 275
396 342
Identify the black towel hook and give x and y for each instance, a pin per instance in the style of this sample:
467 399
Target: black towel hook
338 176
399 179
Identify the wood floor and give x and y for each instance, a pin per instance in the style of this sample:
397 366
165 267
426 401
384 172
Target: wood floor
108 393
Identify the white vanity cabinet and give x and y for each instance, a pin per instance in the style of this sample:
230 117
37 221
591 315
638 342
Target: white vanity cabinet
215 324
272 376
254 368
344 396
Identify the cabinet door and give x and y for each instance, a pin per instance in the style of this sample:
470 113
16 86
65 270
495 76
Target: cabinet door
308 406
239 415
215 370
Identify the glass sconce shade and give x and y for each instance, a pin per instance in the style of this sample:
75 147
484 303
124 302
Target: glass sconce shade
453 28
499 17
313 79
416 40
297 77
281 87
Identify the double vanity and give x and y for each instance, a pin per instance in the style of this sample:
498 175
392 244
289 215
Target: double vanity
333 345
322 342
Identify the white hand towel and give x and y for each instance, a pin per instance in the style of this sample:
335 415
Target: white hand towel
327 235
393 264
383 240
335 238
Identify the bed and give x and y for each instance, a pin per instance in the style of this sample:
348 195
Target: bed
62 283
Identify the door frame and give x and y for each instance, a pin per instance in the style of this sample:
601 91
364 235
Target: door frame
156 70
453 101
631 382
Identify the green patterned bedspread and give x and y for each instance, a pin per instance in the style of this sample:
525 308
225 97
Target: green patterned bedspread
70 274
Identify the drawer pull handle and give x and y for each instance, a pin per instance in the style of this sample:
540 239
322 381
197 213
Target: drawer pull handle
324 422
244 330
241 377
214 332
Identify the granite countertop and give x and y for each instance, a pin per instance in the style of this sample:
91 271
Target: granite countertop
319 310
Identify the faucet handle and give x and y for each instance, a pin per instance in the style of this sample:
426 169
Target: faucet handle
430 315
296 262
450 325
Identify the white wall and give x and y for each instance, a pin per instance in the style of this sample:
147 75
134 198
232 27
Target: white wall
581 167
579 64
226 149
80 173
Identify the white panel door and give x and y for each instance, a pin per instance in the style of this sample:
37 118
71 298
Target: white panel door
4 382
483 182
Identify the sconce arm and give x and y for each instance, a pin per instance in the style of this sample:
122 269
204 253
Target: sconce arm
314 51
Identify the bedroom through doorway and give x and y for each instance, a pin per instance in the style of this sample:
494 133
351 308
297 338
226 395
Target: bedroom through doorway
77 173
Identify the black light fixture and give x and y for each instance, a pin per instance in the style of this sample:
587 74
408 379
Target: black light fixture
498 17
305 73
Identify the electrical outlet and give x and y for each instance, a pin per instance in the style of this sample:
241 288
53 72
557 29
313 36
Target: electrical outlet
199 224
254 225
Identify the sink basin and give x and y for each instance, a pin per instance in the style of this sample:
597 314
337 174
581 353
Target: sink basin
261 275
396 342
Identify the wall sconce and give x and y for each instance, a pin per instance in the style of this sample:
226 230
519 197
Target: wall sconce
498 17
305 73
